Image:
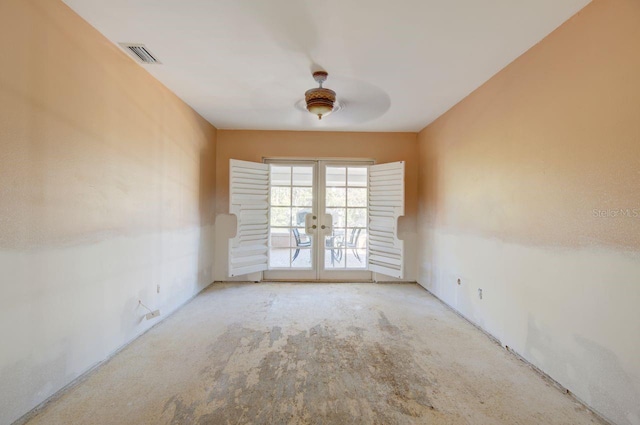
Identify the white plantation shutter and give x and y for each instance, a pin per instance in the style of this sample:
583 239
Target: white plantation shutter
249 201
386 204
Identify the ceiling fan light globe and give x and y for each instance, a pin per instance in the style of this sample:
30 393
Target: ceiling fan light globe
320 109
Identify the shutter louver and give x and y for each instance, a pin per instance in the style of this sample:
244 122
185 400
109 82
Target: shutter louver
386 204
249 201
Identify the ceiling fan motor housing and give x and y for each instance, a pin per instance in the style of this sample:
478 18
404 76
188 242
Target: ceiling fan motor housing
320 100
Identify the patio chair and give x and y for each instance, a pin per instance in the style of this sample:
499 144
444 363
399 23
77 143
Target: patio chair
300 242
353 242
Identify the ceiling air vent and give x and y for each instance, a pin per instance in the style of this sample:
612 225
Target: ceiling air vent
140 53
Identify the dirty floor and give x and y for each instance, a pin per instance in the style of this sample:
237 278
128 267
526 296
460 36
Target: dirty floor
314 354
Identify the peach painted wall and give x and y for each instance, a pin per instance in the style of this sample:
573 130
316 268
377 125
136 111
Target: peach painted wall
518 187
382 147
107 191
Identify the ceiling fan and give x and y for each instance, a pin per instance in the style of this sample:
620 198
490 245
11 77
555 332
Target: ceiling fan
365 101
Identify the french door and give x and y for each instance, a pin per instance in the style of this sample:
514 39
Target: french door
316 220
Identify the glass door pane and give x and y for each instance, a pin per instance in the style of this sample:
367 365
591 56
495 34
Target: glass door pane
290 247
345 201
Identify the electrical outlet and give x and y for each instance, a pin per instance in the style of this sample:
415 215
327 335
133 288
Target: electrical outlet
459 281
154 313
158 289
480 293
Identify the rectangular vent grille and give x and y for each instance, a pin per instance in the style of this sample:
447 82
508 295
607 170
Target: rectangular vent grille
140 53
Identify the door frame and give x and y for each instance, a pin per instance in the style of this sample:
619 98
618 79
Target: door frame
317 271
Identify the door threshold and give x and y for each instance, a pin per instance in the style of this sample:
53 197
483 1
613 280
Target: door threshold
316 281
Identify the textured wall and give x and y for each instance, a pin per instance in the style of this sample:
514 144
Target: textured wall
107 191
521 186
382 147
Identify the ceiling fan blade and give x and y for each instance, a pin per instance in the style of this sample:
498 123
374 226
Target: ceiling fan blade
289 22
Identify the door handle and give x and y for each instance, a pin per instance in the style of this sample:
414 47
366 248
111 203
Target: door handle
328 218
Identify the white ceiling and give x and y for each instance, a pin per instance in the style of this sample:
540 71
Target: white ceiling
395 65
